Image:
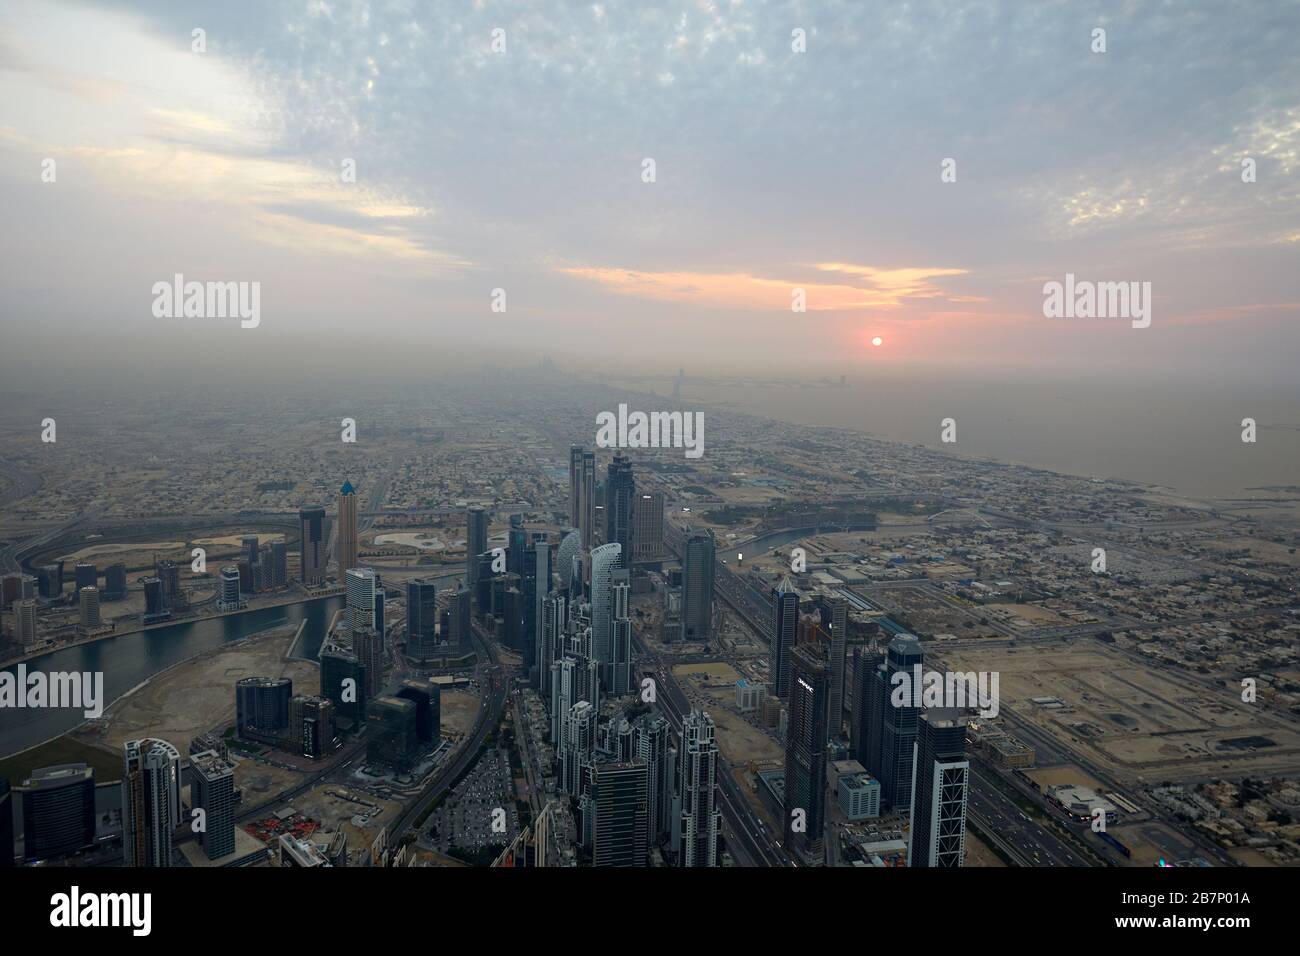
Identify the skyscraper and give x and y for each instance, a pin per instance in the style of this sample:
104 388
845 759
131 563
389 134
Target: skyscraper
620 500
311 725
577 741
311 528
805 754
212 790
865 721
343 681
838 612
655 751
458 608
575 485
347 527
58 811
605 560
587 500
897 725
114 582
86 577
941 779
570 550
151 801
368 645
620 803
228 598
648 528
89 603
361 589
697 585
785 625
421 617
701 819
393 738
25 621
620 640
279 570
262 705
476 534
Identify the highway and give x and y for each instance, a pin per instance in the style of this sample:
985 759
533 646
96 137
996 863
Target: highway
442 779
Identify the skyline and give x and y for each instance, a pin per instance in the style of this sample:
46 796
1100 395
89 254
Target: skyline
774 171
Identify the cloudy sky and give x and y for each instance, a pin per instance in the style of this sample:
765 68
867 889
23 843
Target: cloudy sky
522 168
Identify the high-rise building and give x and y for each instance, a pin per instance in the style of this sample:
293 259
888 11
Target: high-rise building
279 565
87 576
785 625
838 612
459 618
311 725
941 780
620 658
25 621
368 645
212 790
10 587
654 749
701 819
697 585
393 741
58 811
620 806
551 636
89 603
170 575
865 721
151 801
114 582
251 548
262 705
605 560
362 584
421 617
343 681
570 552
575 485
577 743
620 500
897 725
648 528
427 698
535 582
587 500
476 537
805 754
311 528
155 608
347 503
228 595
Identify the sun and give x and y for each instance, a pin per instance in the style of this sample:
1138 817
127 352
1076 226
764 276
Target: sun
877 341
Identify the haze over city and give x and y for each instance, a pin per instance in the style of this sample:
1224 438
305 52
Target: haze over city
704 435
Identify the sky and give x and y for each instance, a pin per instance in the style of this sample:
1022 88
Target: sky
523 168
